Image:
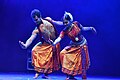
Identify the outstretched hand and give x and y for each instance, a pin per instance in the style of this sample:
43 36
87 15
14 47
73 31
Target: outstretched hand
22 45
53 44
94 30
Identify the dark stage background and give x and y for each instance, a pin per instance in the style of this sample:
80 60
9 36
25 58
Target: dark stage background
16 24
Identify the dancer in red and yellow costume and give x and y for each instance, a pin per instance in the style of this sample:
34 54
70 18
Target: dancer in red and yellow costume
74 57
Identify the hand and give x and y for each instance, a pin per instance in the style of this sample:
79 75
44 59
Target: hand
50 41
53 44
22 45
94 30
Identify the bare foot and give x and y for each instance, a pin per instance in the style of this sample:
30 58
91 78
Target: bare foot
45 77
36 76
70 79
67 79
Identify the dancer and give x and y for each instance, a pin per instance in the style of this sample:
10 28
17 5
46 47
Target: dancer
74 57
44 59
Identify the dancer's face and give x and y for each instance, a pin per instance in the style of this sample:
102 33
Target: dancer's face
37 20
66 22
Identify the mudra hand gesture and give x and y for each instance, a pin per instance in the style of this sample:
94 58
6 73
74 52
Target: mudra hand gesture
22 44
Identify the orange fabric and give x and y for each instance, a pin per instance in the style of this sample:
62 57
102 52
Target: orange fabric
43 59
71 59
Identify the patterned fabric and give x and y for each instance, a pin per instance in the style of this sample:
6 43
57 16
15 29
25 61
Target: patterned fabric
43 58
72 32
74 59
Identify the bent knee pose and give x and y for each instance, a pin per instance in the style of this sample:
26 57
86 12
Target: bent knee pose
44 59
74 57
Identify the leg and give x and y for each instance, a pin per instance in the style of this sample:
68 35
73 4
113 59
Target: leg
84 77
67 77
71 77
45 76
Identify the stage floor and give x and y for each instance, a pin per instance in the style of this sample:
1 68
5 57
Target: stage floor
26 76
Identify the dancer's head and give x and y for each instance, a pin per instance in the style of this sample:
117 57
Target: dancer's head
36 16
67 18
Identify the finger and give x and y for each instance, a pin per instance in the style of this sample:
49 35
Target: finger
19 41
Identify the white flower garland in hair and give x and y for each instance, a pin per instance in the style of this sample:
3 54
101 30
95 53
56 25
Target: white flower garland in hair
70 15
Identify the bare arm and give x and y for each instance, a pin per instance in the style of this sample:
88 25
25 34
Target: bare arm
55 22
29 41
62 33
88 28
57 40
